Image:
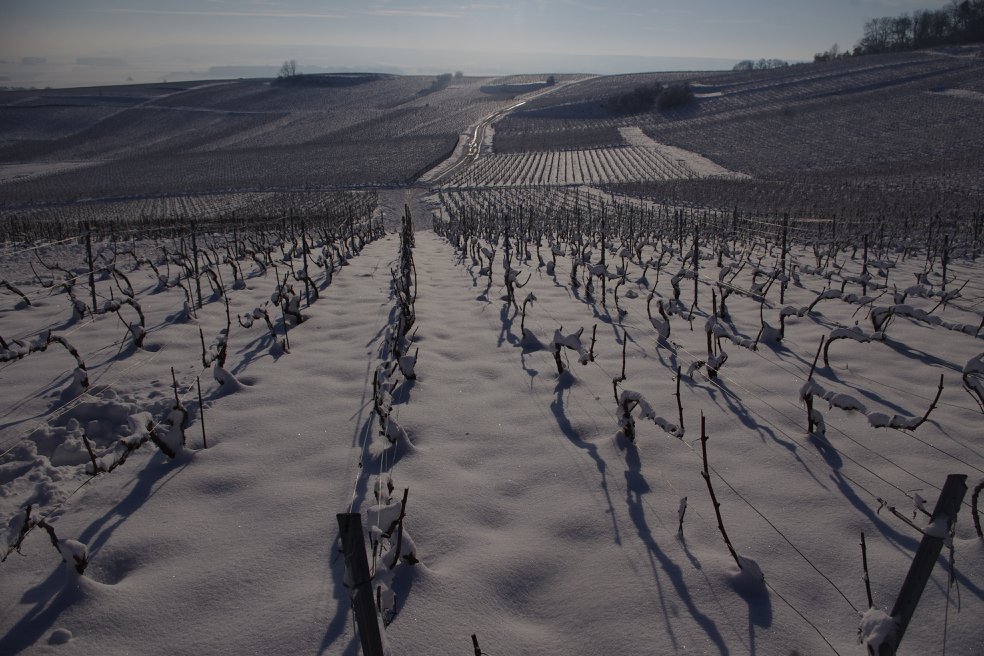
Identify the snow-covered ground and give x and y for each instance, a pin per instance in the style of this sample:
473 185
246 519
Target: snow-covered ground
537 524
697 164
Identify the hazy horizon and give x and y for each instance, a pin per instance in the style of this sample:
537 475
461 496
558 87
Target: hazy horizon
100 42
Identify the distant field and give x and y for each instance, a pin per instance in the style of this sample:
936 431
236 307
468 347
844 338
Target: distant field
850 136
232 136
905 122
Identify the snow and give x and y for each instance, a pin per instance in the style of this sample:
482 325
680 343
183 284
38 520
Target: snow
698 164
22 171
939 527
877 628
533 525
966 94
975 365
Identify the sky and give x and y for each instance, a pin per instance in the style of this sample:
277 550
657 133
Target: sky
189 35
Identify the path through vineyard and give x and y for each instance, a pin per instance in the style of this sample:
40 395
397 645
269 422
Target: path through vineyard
521 505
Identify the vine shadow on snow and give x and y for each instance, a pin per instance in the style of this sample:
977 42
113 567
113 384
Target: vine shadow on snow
905 543
565 382
736 406
51 597
343 605
636 487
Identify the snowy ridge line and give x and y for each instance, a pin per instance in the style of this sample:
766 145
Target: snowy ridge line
704 519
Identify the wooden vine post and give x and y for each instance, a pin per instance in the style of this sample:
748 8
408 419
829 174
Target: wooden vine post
943 517
357 568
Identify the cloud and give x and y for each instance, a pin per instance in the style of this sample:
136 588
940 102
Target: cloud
417 13
895 5
480 6
219 13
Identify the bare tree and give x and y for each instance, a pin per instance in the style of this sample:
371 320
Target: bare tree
288 69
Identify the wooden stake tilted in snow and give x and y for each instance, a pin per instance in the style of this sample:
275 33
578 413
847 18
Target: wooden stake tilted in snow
360 583
782 260
883 637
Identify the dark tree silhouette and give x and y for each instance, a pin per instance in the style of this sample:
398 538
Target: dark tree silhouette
288 69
